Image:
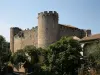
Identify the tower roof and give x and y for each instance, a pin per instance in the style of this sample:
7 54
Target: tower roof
91 37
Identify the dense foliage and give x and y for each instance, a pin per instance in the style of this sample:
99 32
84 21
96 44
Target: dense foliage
4 51
92 53
60 58
63 57
29 57
18 58
4 54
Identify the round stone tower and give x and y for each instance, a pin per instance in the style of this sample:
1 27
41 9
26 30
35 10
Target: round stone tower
48 28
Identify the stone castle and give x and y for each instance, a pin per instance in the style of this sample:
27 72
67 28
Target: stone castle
47 32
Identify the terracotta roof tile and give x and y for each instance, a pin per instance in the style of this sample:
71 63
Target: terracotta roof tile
92 37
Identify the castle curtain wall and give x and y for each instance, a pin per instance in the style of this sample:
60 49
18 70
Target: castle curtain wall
71 31
24 38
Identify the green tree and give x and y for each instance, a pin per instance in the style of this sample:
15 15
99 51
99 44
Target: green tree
34 55
4 51
29 53
63 57
18 57
30 57
92 53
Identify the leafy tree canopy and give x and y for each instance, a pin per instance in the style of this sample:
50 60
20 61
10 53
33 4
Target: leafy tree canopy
92 53
64 56
4 50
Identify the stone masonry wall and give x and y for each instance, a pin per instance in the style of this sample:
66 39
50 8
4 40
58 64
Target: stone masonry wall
47 32
24 38
30 37
72 31
13 32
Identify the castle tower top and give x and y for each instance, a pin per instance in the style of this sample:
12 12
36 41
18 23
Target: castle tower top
47 13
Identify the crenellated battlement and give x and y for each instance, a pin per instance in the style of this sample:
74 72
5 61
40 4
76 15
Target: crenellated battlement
48 13
27 31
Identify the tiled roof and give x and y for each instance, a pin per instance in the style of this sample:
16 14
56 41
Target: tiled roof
92 37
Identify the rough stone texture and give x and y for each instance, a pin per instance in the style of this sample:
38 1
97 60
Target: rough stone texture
24 38
13 32
67 30
47 28
47 32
